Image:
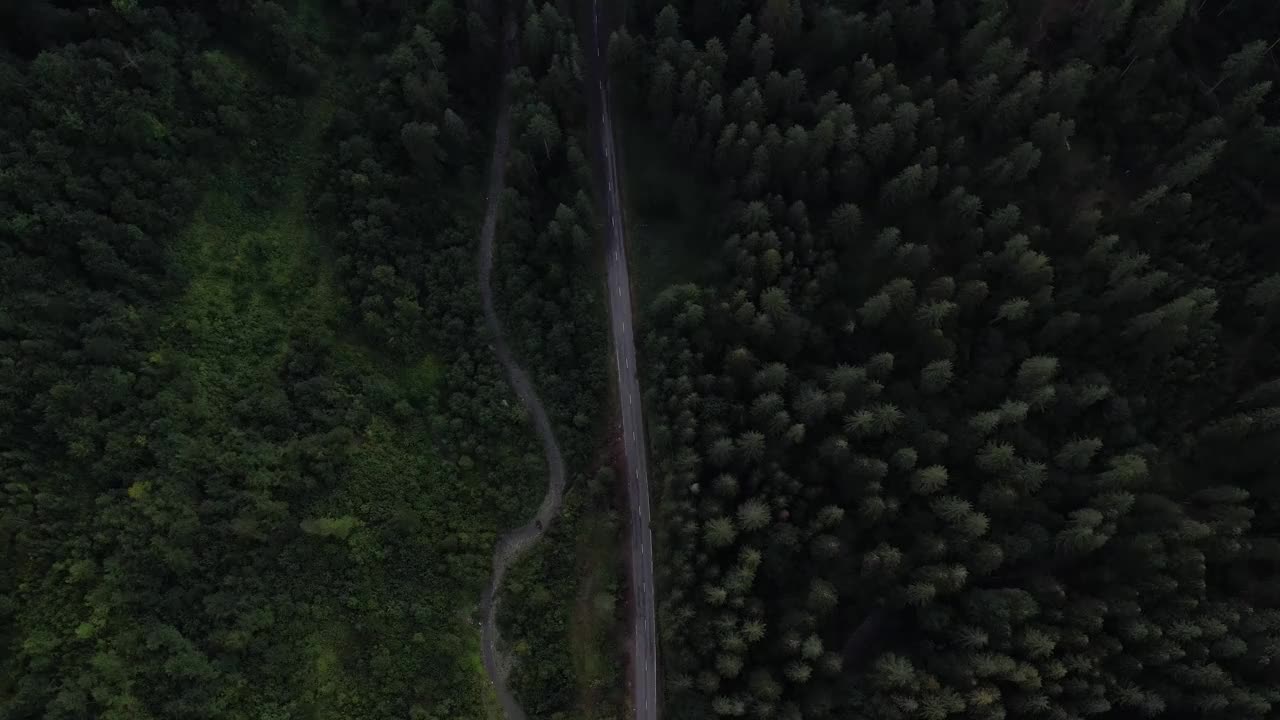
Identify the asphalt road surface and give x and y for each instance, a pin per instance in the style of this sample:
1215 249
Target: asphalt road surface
644 647
512 544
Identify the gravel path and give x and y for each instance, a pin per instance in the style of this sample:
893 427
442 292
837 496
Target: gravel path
515 542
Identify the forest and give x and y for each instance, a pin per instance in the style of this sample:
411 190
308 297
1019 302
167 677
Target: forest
972 411
959 330
255 448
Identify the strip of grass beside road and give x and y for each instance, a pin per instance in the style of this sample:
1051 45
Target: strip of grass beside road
561 611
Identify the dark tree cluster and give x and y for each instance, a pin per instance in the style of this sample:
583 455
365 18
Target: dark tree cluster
404 195
545 267
112 110
405 244
976 421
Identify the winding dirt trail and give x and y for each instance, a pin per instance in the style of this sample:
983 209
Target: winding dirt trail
512 544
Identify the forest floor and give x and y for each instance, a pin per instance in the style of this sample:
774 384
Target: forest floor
671 240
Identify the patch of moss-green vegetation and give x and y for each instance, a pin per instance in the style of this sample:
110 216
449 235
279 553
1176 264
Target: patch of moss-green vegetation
376 596
252 277
410 569
253 268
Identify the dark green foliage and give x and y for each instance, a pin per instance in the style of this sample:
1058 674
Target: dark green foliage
1022 306
241 480
549 298
976 420
562 607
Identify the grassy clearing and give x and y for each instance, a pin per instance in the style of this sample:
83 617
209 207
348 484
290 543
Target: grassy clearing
669 231
253 273
252 278
408 615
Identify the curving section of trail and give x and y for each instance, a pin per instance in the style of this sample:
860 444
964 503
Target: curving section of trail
512 544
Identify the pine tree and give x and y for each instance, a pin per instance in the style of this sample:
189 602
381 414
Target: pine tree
535 39
667 23
1239 67
811 405
751 447
1035 372
797 672
1067 88
1193 166
880 365
774 302
936 376
754 630
904 459
1077 454
875 309
719 532
1013 310
929 480
762 56
1151 32
823 597
980 95
782 19
932 314
753 515
721 452
996 458
904 189
1127 471
728 666
844 223
878 143
772 377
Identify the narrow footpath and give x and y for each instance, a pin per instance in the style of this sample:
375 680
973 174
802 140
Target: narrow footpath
511 545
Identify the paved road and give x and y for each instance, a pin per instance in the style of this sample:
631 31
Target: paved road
644 660
512 544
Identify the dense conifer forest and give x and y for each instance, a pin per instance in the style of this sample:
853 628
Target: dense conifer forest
977 417
960 342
